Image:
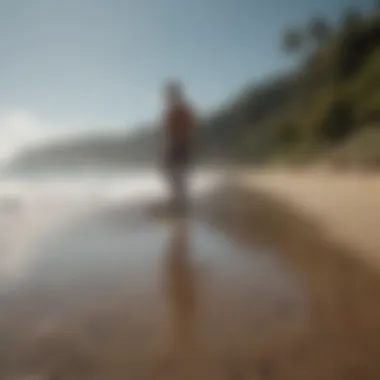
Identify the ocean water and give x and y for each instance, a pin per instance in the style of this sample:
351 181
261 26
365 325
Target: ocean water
34 208
133 184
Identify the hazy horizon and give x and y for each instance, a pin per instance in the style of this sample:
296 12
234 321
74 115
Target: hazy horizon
80 66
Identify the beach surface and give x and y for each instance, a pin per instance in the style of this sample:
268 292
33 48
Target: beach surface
346 206
96 286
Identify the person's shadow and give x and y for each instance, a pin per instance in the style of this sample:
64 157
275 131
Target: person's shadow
181 289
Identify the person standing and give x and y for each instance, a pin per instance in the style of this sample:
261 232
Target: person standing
179 125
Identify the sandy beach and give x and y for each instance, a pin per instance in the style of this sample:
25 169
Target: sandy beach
240 288
346 206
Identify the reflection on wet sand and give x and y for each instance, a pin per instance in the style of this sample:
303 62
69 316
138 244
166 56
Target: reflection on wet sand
180 286
107 299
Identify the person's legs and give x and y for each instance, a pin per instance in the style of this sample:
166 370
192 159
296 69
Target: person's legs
179 175
178 185
177 171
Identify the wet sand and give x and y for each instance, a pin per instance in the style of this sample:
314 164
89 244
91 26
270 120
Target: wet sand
241 289
343 336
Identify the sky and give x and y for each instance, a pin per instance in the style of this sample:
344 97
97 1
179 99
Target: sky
69 66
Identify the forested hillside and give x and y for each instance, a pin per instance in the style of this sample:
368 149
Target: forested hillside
332 97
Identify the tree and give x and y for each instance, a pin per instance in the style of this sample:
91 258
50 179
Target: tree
338 122
351 19
292 41
288 133
319 30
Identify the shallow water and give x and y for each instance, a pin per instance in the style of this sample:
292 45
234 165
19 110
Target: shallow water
113 291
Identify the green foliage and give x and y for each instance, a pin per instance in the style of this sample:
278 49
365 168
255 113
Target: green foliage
368 111
335 93
366 82
351 20
338 122
362 150
338 93
355 48
288 132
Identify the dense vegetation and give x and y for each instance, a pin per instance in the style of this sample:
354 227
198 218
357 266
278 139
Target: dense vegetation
327 108
332 96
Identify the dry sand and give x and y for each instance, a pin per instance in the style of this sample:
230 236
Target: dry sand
346 206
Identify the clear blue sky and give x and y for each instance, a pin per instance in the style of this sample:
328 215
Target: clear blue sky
74 64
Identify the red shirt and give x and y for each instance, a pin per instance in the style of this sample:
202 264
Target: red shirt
178 123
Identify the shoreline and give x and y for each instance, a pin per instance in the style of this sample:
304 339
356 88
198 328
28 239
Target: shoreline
345 206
